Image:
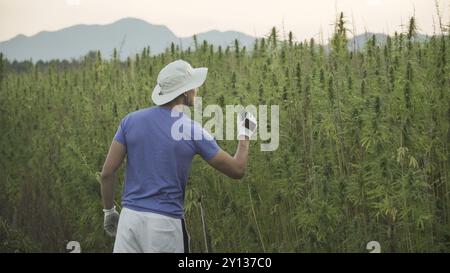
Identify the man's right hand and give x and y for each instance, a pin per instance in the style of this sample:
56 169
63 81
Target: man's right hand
253 124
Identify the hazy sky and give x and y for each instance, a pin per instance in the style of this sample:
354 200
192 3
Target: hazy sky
305 18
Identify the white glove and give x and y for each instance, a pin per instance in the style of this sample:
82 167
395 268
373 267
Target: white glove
246 119
111 221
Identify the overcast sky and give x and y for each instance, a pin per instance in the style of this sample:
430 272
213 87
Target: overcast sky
305 18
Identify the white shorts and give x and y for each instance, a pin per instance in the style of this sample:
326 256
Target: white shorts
146 232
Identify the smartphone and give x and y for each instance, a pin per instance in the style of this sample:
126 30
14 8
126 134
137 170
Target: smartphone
249 124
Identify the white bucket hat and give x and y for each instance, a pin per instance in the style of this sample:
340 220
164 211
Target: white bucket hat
175 79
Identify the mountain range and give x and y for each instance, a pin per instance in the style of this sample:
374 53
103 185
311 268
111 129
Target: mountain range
128 36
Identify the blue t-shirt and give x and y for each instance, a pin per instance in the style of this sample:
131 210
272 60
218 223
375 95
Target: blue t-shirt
157 164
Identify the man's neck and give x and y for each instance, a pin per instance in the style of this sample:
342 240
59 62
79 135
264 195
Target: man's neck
178 107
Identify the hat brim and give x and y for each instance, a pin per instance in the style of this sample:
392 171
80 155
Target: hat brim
198 78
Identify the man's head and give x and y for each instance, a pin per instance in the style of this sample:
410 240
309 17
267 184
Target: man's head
173 81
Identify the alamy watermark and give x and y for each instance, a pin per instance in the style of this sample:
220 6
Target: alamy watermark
374 247
74 247
268 133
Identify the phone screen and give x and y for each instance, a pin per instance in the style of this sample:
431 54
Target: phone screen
249 124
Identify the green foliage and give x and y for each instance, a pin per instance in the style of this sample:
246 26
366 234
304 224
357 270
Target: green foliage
364 146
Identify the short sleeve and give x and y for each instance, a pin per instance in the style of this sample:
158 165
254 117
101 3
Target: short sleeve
120 135
206 146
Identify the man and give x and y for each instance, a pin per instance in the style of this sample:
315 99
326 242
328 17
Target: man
152 217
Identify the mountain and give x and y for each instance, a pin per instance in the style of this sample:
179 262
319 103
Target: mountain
360 41
129 35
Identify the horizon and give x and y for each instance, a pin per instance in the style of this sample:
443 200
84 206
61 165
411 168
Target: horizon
211 30
121 19
182 37
314 22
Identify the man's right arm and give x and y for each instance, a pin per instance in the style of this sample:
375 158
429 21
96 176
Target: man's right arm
234 167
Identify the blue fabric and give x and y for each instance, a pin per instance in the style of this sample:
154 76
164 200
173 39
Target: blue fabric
158 165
